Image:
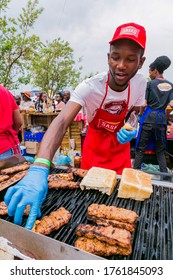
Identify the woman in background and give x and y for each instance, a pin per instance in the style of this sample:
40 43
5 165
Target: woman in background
60 104
26 102
11 122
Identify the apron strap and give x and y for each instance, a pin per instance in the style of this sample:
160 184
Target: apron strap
106 91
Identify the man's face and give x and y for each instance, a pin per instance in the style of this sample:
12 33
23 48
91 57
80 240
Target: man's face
152 73
124 60
66 96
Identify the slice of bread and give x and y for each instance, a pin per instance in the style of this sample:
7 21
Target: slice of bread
135 184
100 179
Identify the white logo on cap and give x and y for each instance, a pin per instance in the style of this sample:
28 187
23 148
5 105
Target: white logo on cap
129 30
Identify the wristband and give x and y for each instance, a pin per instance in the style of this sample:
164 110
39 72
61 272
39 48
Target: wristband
43 160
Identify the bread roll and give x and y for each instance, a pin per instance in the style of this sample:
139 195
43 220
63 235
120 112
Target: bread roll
128 126
100 179
135 184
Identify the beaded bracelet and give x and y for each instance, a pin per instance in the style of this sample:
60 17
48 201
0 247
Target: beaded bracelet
43 160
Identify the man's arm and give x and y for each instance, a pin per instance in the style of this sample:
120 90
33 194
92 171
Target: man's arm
17 120
55 133
32 189
142 108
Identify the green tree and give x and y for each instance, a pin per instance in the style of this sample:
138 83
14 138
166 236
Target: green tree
53 66
16 45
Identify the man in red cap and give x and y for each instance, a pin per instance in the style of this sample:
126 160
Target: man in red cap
108 98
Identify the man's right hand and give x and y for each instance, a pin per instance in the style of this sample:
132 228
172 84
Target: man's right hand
31 190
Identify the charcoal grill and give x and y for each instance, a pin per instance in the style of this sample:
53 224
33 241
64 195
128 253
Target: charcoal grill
153 236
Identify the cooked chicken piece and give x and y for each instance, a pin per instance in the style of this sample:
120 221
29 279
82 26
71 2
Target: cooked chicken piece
63 184
79 172
45 226
4 209
4 178
100 248
112 213
61 176
114 223
14 169
14 179
62 217
110 235
54 221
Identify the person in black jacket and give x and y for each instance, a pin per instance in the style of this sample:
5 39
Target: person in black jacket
153 121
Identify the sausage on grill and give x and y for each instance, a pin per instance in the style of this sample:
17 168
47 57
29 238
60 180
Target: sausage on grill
114 223
14 169
61 176
4 209
100 248
112 213
63 184
54 221
110 235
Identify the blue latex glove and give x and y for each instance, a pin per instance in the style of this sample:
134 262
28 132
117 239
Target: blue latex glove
124 136
31 190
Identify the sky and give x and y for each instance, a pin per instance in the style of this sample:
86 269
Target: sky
88 26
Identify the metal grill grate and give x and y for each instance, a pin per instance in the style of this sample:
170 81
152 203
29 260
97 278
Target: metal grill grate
153 236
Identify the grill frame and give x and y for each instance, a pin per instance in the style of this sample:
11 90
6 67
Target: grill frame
153 236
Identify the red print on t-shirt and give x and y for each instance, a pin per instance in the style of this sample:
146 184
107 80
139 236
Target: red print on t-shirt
115 107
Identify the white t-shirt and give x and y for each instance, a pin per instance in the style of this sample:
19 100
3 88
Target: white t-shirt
90 94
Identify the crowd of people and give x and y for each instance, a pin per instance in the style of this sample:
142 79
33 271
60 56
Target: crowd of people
42 102
108 98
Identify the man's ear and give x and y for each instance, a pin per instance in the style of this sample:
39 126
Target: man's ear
142 59
108 55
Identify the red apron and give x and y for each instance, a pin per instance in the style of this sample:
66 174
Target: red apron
101 147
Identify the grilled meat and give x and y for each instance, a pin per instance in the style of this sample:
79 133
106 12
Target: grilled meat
14 169
100 248
62 216
110 235
78 172
45 226
63 184
4 209
4 178
14 179
112 213
114 223
61 176
54 221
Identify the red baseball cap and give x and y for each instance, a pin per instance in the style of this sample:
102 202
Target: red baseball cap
130 31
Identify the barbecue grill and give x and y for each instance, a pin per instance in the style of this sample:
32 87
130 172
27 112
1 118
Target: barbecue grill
153 236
